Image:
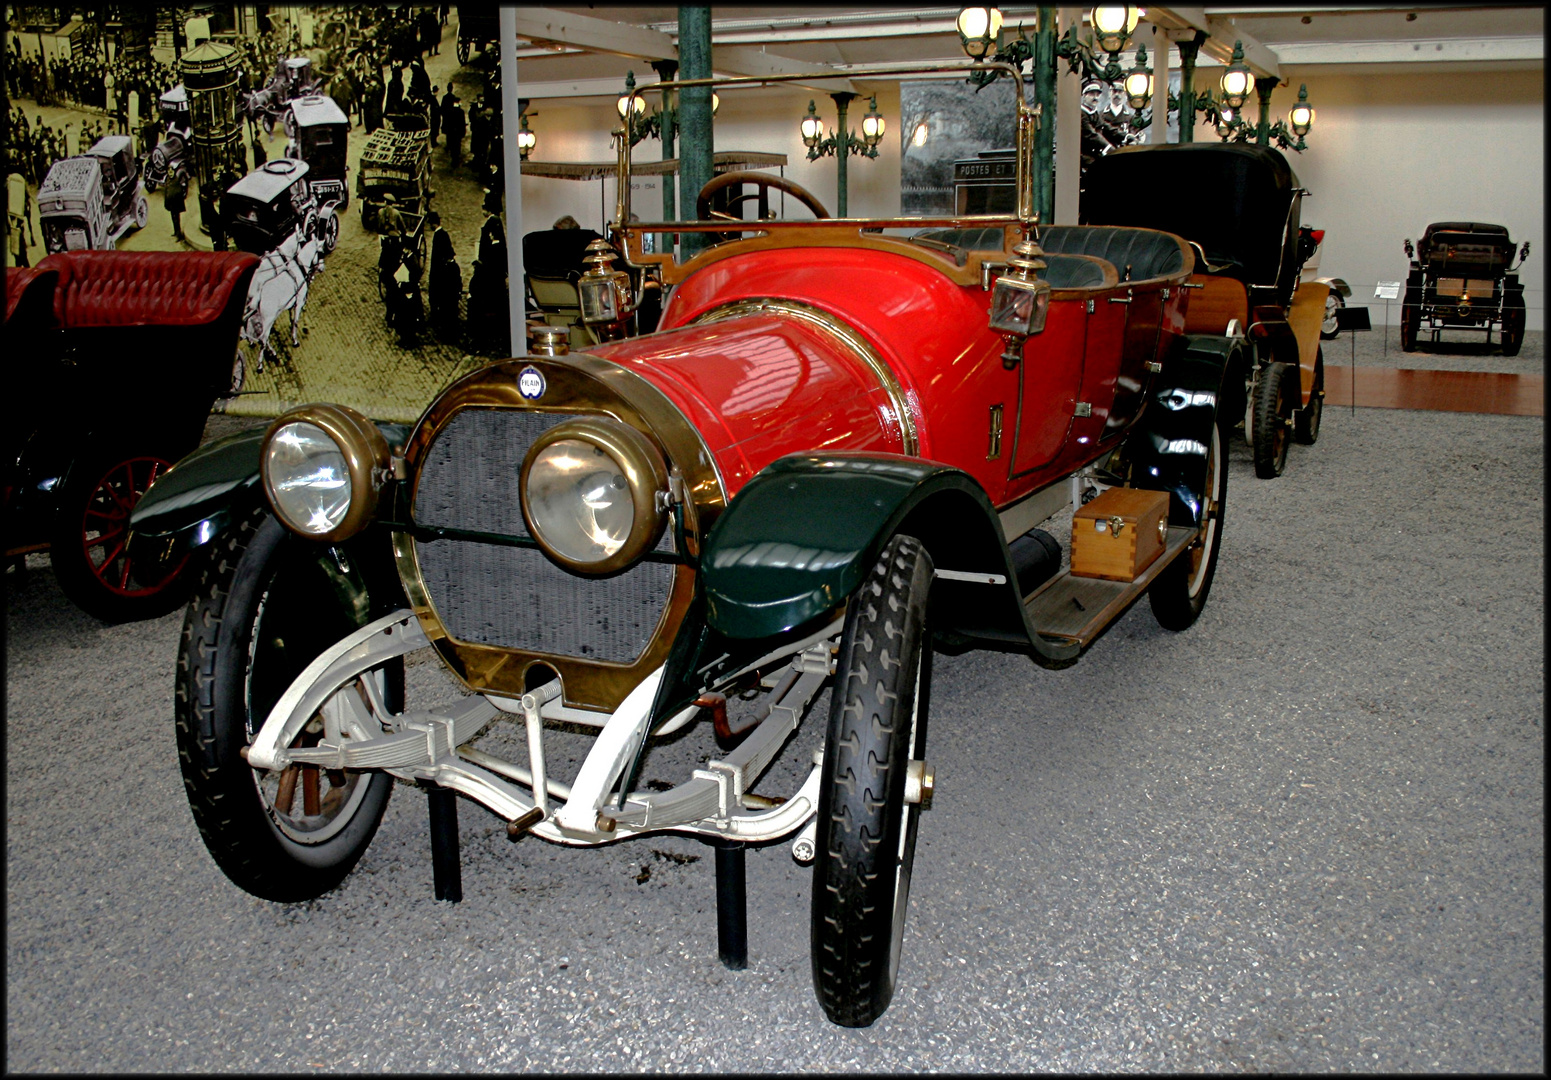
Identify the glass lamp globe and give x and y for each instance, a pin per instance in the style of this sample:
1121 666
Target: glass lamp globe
978 29
1113 26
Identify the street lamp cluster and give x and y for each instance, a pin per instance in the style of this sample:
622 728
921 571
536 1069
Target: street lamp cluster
660 123
980 30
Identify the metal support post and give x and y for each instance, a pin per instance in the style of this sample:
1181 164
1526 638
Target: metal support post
842 147
446 865
694 117
1188 51
1263 88
732 927
1045 76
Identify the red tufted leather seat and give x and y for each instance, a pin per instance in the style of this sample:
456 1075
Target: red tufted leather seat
147 288
35 287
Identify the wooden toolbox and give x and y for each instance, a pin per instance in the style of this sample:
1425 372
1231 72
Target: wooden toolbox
1119 533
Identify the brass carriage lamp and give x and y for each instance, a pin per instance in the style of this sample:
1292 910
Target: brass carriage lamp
1020 300
1238 80
1138 81
812 128
979 30
604 292
526 140
1301 118
1113 26
873 124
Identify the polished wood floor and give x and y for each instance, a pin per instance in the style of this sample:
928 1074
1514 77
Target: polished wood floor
1449 391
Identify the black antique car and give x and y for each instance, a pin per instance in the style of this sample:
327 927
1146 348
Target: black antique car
175 146
321 131
86 203
89 433
836 454
273 201
396 160
1462 278
1239 206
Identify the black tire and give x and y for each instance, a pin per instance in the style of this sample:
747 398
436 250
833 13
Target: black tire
91 525
1179 593
1306 420
1513 324
1410 326
233 664
1271 406
463 52
866 832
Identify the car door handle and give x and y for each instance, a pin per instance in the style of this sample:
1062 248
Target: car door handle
1117 300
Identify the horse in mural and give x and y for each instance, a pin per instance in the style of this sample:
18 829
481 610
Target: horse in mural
280 284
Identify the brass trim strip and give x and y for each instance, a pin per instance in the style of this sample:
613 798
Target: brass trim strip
847 336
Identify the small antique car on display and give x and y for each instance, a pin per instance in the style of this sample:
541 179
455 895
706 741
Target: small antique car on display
273 201
321 131
836 451
1461 279
89 432
1314 240
1238 205
87 202
396 160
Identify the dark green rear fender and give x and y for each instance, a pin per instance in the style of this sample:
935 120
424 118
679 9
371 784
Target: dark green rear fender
1168 446
800 537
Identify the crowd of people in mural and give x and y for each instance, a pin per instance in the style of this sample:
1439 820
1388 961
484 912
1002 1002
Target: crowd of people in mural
369 60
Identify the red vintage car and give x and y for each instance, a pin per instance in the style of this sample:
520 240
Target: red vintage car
833 455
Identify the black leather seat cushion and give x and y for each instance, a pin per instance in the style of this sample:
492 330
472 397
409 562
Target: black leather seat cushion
1137 254
1060 271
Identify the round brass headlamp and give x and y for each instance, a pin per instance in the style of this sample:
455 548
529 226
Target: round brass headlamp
590 494
323 468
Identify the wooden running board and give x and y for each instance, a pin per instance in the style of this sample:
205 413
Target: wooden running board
1076 609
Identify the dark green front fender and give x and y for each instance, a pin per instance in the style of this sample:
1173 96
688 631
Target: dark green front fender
800 537
201 496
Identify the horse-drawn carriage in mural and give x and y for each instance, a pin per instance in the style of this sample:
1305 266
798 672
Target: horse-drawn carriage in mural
837 453
479 27
173 151
1239 207
87 202
1463 277
294 77
396 160
320 132
273 213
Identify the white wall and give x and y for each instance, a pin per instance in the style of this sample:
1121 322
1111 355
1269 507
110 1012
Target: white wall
763 120
1391 153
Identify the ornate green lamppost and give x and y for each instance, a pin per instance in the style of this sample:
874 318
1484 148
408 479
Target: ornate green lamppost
843 142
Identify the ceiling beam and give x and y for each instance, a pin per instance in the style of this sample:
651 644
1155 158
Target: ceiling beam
743 60
594 35
1224 32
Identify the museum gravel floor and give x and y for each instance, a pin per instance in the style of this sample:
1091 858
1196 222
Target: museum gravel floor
1306 834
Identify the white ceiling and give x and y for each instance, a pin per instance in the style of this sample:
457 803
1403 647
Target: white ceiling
584 51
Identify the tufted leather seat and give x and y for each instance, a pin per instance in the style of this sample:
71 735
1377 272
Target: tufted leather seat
29 294
150 288
1138 254
1061 272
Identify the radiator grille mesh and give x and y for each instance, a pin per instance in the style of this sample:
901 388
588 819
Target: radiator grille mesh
510 597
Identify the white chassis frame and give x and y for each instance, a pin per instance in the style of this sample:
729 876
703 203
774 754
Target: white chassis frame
361 732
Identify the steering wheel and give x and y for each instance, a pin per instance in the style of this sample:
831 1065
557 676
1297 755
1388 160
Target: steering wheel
764 182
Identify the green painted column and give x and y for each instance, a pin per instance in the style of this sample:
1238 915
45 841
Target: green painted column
1045 76
1188 50
842 149
1263 88
697 144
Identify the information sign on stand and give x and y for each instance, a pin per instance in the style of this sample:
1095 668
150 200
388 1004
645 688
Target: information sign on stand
1387 291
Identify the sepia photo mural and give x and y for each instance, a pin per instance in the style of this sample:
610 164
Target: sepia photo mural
357 151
